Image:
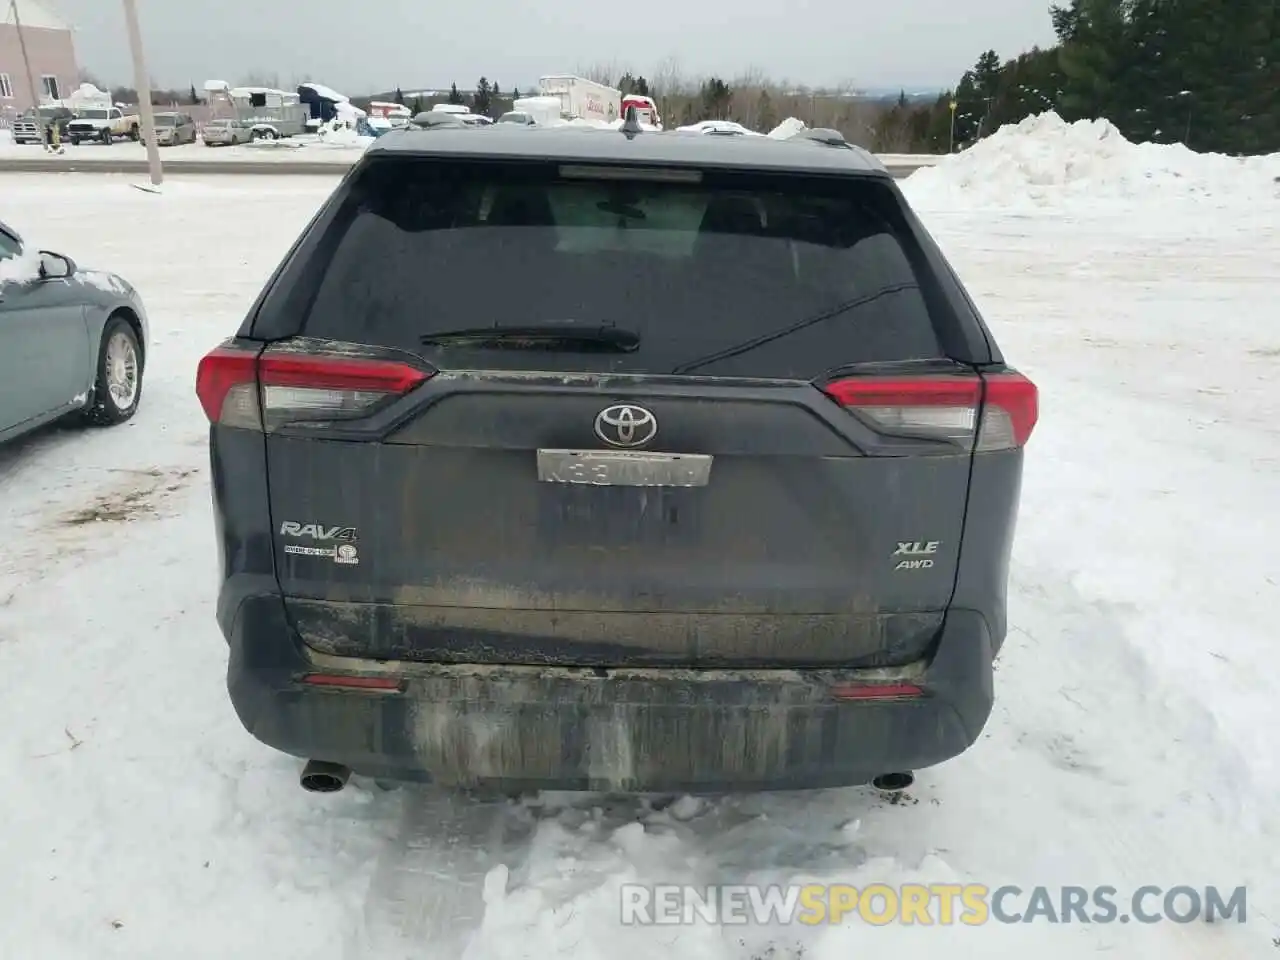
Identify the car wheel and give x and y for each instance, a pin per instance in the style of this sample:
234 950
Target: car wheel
117 388
134 135
105 136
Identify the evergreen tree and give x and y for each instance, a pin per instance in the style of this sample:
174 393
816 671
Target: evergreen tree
766 113
454 96
481 101
398 96
717 98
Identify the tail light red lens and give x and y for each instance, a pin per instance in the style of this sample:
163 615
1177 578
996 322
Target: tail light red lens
245 388
876 691
346 681
946 407
1011 412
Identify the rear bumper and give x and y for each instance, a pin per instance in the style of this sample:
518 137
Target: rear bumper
636 730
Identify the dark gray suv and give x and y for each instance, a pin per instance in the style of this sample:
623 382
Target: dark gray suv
587 459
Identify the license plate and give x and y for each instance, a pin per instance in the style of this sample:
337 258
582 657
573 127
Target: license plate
608 468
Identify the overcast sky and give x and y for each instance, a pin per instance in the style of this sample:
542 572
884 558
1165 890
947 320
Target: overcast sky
410 43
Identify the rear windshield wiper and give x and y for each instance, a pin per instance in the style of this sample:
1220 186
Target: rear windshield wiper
556 336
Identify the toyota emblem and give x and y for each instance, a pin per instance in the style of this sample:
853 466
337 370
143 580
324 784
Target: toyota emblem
626 425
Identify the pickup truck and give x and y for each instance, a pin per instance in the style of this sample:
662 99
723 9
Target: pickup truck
29 128
106 124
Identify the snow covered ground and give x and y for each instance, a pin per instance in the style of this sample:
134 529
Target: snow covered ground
344 149
1131 744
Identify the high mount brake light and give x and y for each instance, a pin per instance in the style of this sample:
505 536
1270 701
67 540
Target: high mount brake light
260 391
946 407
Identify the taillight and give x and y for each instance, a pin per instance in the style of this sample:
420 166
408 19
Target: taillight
945 407
242 388
1011 411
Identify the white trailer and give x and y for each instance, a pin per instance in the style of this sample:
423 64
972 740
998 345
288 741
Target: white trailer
582 99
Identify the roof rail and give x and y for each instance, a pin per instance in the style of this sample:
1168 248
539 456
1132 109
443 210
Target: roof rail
825 136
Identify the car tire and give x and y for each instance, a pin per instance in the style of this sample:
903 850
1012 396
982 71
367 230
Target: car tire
105 137
134 133
117 386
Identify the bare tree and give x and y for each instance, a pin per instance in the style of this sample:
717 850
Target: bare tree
261 78
668 79
606 73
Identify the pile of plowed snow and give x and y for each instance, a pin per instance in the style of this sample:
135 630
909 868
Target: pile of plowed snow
1044 161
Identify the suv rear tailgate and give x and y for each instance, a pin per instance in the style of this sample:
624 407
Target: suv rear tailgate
432 520
791 553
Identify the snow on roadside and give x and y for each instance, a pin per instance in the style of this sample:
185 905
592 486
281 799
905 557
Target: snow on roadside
1129 744
1044 161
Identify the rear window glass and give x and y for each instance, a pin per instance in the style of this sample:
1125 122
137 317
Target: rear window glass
730 275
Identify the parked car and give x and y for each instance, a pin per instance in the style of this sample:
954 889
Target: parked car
174 128
518 118
30 127
491 512
71 340
226 133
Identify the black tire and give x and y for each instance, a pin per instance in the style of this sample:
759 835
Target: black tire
134 134
75 141
105 136
105 410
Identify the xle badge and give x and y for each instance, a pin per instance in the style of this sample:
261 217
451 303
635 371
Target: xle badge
918 554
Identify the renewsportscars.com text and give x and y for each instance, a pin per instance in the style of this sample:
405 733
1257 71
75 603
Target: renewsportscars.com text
926 904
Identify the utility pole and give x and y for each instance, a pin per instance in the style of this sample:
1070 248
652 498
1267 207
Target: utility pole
143 83
26 61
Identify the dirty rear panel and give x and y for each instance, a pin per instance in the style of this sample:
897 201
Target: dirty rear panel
743 516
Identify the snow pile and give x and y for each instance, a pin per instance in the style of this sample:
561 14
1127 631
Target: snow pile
338 134
274 143
1044 160
718 126
20 269
787 129
87 96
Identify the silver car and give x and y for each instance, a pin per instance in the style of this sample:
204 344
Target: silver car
225 133
71 340
174 128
